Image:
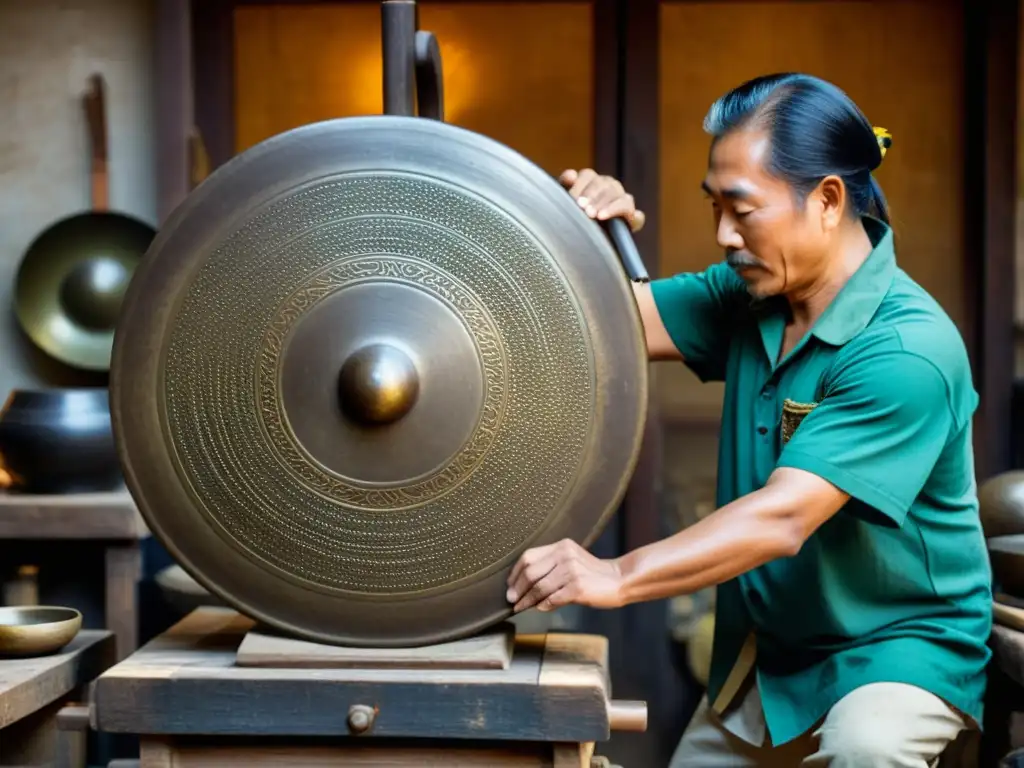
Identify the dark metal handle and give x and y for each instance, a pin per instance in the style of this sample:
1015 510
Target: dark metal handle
398 30
622 239
429 77
413 81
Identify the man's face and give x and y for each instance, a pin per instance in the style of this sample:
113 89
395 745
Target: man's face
772 241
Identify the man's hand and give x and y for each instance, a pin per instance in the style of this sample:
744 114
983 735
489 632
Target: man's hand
772 522
602 197
563 573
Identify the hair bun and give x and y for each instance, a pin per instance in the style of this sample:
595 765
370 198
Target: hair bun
884 139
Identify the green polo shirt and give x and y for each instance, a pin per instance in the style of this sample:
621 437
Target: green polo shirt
896 587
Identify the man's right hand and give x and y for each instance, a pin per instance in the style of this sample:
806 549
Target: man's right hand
602 197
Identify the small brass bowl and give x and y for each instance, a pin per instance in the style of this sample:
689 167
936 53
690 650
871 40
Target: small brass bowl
35 630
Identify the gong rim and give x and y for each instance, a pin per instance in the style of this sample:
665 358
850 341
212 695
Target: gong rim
311 154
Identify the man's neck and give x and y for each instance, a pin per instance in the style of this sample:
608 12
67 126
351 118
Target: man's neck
851 249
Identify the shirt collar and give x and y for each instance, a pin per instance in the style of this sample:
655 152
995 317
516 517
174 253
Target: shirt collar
856 303
852 308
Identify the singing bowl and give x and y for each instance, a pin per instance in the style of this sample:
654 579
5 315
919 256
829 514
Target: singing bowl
363 367
71 283
37 630
59 441
1006 554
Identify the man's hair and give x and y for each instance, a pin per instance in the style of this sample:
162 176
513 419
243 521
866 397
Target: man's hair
815 130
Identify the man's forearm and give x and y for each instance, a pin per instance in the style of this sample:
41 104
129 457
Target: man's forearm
749 532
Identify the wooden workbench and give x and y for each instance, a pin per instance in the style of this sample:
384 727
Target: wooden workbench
109 519
190 703
33 690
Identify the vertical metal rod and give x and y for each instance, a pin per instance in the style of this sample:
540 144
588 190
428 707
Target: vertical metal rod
398 36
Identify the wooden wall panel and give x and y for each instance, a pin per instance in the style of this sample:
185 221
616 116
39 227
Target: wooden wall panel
900 60
518 72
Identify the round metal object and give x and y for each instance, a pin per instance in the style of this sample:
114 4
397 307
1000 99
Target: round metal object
1006 555
58 441
360 718
1001 504
364 366
37 629
71 282
378 384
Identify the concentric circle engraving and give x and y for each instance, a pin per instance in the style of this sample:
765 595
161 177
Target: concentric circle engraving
400 271
254 480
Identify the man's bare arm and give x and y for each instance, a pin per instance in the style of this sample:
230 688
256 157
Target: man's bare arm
762 526
770 523
659 344
603 198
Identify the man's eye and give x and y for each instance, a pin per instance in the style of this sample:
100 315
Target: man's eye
741 214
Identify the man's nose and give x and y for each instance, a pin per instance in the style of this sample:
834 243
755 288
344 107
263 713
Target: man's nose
728 236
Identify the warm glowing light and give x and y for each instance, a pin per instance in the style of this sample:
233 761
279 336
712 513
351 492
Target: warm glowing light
506 74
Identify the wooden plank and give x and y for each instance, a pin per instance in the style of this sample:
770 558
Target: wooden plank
94 516
220 753
186 682
575 660
489 650
29 685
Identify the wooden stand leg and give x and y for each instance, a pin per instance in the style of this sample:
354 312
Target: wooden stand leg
154 753
31 741
124 569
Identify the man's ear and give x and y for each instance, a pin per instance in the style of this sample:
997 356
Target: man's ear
831 194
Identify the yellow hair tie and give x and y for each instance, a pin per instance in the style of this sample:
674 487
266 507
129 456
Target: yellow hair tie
884 139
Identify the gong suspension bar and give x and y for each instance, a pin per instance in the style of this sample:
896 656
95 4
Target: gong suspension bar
414 85
413 78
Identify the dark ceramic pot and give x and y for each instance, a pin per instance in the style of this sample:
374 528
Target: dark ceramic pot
59 441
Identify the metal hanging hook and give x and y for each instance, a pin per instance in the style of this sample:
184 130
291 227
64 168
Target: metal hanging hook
414 86
413 78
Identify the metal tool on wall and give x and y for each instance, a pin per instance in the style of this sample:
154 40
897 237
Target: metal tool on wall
368 362
71 281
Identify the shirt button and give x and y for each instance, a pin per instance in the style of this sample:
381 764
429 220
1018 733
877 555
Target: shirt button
762 430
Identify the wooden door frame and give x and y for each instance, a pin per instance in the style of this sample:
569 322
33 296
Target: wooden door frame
991 82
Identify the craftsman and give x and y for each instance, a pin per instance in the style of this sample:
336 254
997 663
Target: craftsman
853 585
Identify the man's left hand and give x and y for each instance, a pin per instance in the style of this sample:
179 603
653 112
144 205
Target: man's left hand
563 574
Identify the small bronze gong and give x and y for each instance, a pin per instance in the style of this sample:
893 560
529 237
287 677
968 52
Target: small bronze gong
364 366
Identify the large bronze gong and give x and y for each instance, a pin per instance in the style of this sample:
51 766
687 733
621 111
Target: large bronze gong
367 364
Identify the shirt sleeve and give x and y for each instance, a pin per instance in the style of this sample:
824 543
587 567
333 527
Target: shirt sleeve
878 432
699 310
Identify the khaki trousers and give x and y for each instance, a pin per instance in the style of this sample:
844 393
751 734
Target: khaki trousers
882 725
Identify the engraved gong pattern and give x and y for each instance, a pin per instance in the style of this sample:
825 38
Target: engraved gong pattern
245 470
418 273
